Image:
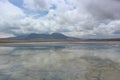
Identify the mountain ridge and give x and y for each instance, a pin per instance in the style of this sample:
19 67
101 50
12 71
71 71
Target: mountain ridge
54 37
33 36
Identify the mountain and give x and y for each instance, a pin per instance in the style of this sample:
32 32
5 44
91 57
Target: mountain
54 37
35 36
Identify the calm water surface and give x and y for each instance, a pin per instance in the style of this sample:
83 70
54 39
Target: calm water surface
60 61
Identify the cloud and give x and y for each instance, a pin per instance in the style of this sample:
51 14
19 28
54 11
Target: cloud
78 18
35 4
9 17
104 9
4 35
8 10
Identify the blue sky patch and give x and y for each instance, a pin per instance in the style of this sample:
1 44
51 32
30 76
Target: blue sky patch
18 3
53 6
104 22
40 13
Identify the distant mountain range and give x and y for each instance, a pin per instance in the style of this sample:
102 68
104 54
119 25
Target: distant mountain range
54 37
35 36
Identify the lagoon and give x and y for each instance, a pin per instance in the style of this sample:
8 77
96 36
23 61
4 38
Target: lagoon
60 61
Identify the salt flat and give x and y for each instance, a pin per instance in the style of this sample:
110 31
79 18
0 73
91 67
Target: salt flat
60 61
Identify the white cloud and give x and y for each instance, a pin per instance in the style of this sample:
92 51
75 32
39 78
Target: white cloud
8 10
35 4
108 30
9 17
6 35
71 17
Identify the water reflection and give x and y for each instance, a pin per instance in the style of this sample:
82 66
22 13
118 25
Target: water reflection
60 61
101 69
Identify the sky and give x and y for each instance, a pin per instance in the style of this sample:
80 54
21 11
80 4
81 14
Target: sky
76 18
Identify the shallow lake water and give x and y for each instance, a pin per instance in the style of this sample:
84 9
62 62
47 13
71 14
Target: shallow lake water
60 61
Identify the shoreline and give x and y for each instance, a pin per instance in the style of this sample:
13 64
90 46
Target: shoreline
66 41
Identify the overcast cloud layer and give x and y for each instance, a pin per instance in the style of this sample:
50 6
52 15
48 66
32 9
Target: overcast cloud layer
78 18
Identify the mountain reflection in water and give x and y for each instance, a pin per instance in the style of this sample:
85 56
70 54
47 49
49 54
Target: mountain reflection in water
60 61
